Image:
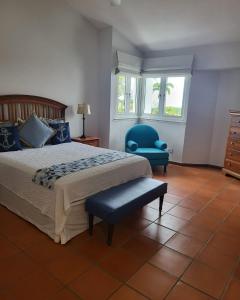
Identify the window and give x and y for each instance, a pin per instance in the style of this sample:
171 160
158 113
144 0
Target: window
152 95
165 97
174 92
121 94
127 94
133 95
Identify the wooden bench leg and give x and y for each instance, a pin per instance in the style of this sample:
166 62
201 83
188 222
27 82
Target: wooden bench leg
110 234
90 223
161 198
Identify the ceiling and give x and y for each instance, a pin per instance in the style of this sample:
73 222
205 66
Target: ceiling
154 25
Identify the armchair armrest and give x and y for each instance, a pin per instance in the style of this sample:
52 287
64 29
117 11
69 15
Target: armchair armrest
132 146
160 144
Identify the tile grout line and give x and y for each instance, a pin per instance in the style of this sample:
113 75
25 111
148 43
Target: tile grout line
230 279
192 259
137 232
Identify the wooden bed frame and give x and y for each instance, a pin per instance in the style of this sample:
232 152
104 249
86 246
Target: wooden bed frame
13 107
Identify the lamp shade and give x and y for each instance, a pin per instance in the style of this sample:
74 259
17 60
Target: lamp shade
84 109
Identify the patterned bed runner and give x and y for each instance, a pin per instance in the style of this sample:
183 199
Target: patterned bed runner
48 176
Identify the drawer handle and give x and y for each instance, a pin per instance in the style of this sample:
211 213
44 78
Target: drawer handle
232 143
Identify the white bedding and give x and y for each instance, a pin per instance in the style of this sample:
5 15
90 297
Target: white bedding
18 168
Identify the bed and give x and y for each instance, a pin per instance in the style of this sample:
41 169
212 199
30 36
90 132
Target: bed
58 212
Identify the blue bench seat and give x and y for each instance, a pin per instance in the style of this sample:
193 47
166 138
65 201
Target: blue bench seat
118 202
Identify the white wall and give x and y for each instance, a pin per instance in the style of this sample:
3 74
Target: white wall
118 127
105 85
228 99
215 89
208 57
212 95
201 111
120 43
48 49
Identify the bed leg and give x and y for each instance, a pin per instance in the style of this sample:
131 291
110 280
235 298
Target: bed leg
110 234
161 198
90 223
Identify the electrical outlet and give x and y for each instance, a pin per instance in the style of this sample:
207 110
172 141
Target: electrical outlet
170 151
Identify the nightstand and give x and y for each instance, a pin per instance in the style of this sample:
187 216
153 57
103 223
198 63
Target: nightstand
89 140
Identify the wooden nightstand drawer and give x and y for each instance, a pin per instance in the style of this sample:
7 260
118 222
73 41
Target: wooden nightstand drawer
92 143
89 140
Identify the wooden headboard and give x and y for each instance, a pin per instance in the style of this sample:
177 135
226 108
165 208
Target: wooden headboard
22 106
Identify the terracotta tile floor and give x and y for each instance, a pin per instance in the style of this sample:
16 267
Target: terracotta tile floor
191 252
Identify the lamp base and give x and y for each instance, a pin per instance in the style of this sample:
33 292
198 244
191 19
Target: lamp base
83 136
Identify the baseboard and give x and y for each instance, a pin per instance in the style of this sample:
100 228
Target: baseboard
195 165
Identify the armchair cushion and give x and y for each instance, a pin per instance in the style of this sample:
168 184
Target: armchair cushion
152 153
160 144
132 146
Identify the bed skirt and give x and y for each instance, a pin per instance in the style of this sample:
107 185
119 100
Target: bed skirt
77 221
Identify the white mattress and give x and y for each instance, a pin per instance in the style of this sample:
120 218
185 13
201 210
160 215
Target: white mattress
17 169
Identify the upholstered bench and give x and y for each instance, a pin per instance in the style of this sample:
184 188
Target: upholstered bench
116 203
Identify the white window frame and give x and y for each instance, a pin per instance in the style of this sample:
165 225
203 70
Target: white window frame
127 114
161 116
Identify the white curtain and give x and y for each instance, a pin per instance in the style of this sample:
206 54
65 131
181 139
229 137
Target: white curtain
127 63
169 64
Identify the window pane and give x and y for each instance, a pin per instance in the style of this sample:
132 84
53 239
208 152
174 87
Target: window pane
174 96
121 93
152 92
133 95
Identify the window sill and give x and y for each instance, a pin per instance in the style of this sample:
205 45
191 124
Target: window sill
168 120
125 117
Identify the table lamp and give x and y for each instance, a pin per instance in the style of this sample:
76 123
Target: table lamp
83 109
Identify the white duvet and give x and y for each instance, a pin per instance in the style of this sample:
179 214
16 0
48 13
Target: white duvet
17 169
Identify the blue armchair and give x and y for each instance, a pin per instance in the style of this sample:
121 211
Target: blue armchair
143 140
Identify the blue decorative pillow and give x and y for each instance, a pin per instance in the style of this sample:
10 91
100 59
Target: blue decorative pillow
132 146
160 145
35 133
62 133
55 121
9 138
51 121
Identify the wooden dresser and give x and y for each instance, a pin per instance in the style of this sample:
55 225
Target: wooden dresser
232 158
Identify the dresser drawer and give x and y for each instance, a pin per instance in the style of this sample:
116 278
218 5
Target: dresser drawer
235 133
233 144
232 166
235 121
233 155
